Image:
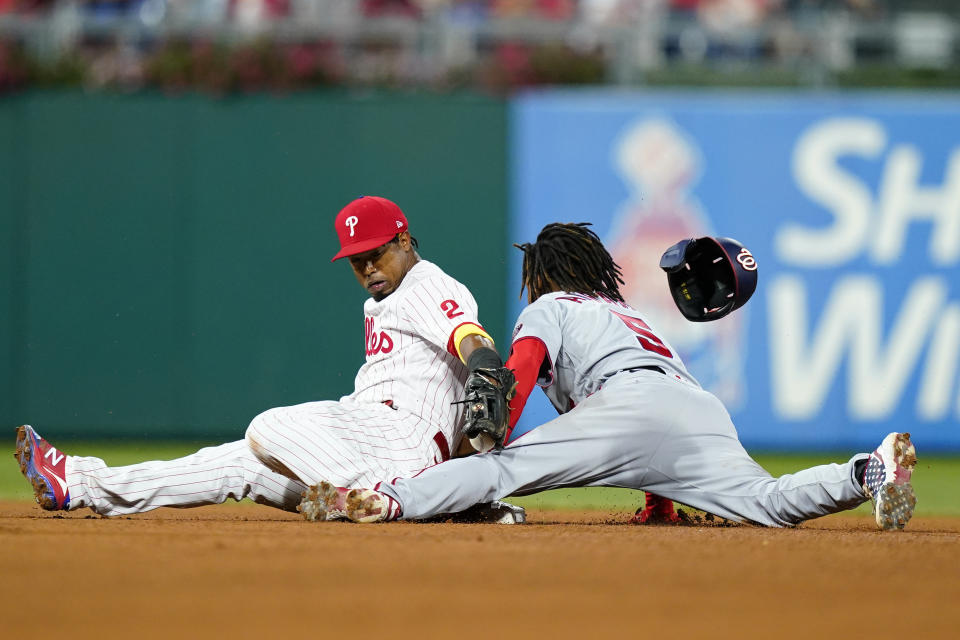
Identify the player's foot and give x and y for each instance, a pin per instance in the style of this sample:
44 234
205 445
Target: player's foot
45 468
887 481
649 516
500 512
658 510
496 512
321 502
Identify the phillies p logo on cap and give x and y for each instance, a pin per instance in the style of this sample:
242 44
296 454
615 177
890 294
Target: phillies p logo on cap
367 223
352 222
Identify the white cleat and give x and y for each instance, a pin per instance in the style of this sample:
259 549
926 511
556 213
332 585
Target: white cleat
367 505
887 481
322 502
325 502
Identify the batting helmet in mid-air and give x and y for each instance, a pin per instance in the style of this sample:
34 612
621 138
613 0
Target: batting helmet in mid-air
709 277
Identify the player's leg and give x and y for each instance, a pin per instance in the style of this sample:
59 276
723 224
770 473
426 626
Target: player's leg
699 461
210 476
349 444
644 432
718 476
582 447
576 449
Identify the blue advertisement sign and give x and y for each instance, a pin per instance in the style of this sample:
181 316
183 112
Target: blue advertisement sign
850 204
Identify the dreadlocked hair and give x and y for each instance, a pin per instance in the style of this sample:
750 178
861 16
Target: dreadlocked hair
569 257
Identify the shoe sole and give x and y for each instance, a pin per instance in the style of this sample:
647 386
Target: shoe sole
42 492
365 506
319 503
895 506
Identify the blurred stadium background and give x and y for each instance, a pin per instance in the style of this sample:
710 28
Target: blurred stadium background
491 44
169 170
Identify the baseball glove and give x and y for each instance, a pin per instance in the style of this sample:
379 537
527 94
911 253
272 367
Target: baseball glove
488 394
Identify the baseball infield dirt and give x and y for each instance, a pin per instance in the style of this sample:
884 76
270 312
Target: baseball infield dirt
239 571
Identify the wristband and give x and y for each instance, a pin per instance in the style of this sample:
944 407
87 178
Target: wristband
484 358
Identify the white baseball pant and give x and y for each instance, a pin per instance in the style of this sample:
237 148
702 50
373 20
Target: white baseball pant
209 476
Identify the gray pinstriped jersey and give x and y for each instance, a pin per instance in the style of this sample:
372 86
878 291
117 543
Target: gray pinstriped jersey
589 339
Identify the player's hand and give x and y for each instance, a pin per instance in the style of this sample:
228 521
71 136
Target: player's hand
488 394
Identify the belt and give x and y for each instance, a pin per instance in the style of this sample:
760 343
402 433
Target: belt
649 367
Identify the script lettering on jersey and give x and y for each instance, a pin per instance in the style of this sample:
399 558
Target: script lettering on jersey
452 308
648 340
376 342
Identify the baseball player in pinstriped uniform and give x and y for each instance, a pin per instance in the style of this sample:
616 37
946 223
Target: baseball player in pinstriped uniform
421 329
631 414
422 337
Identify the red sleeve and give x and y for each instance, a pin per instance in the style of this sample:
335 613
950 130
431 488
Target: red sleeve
526 357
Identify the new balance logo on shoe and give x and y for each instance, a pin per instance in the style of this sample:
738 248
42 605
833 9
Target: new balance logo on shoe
54 455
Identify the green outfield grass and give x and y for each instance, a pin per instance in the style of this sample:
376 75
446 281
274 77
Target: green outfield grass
936 479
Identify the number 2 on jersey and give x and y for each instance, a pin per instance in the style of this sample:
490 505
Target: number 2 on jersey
647 339
452 308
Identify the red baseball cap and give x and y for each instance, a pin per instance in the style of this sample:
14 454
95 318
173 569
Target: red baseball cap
367 223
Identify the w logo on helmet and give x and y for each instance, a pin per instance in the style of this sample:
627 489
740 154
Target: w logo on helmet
746 260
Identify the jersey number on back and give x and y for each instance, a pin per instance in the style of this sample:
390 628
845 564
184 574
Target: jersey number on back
647 339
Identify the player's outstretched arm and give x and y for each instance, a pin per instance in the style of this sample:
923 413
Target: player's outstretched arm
488 390
527 357
471 341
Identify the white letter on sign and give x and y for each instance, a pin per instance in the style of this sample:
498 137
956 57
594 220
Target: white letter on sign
805 362
880 372
802 369
903 199
819 176
936 392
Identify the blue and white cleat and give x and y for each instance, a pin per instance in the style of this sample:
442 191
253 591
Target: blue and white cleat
887 481
45 467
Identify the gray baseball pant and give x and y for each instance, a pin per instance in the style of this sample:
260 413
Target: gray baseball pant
642 430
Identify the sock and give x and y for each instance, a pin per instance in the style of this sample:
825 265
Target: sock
860 470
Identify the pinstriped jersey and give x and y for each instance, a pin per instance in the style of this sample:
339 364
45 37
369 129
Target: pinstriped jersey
411 362
589 339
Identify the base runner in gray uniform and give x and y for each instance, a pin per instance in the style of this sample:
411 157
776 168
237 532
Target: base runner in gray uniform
631 416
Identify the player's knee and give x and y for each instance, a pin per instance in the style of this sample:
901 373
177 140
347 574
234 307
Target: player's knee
258 433
258 437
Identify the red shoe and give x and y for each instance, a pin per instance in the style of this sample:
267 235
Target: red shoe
658 510
45 468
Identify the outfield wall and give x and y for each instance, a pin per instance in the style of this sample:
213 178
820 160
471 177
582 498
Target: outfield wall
167 258
166 264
